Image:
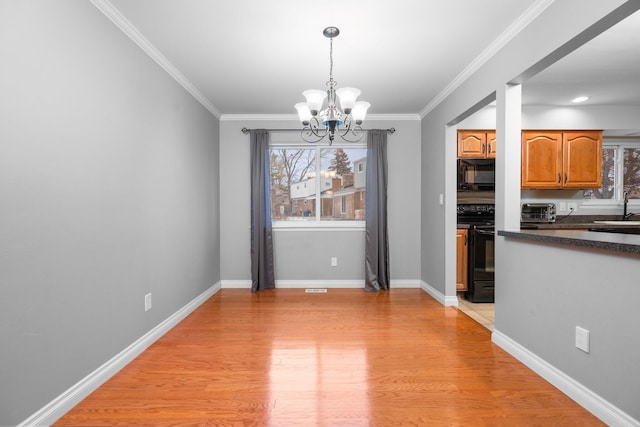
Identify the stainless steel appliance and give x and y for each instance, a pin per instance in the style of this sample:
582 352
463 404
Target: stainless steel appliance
538 212
481 219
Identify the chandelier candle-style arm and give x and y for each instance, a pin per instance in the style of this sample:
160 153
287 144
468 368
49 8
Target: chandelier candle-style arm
319 123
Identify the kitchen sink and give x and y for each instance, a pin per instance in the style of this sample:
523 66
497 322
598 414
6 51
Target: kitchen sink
621 222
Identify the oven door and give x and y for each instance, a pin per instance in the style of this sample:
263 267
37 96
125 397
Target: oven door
482 265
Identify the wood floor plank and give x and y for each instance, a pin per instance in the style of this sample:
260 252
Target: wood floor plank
345 358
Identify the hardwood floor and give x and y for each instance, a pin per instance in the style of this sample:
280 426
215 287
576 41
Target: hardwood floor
345 358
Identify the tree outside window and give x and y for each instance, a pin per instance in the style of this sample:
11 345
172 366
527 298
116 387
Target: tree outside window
317 184
620 173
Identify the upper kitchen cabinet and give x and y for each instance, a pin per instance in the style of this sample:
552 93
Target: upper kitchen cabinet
476 144
561 159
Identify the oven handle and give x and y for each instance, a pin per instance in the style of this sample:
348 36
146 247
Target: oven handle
486 232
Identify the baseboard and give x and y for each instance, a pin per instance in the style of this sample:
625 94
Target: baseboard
62 404
405 283
236 284
328 284
447 301
601 408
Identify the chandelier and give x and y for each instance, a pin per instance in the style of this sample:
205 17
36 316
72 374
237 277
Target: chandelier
344 121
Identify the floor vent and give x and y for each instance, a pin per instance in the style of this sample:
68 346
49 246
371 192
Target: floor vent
316 291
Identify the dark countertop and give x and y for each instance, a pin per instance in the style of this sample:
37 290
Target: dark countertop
629 243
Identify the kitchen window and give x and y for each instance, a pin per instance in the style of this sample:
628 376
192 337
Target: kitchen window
309 185
620 173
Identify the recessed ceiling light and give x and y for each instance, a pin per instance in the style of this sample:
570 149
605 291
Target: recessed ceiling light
580 99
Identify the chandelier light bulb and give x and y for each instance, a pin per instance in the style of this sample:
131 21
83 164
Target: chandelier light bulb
304 114
359 111
347 97
315 99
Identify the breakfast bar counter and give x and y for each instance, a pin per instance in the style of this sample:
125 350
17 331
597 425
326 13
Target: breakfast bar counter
617 242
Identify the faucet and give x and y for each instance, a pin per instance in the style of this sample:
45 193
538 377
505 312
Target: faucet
625 215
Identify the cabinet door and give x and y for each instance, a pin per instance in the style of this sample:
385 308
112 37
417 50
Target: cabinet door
541 159
472 144
582 159
491 144
462 264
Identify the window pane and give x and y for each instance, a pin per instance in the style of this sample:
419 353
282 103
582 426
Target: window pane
631 182
343 185
607 191
293 187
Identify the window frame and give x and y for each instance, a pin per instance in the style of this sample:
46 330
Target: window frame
317 223
619 144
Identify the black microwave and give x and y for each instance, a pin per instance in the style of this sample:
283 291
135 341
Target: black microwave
476 174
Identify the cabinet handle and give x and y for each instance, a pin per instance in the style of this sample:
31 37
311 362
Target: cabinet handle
482 151
559 177
488 148
565 178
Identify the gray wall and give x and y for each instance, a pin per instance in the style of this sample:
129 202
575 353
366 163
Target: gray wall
548 290
576 283
305 254
109 190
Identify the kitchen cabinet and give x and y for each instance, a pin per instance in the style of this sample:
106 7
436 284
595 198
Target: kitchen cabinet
476 144
561 159
462 259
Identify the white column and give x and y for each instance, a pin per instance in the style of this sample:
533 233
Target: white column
508 131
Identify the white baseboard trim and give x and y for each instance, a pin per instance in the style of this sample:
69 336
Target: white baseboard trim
236 284
62 404
601 408
405 283
328 284
447 301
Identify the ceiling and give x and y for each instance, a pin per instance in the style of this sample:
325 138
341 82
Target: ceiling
254 57
607 69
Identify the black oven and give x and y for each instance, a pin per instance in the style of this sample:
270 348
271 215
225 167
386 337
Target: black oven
481 219
481 263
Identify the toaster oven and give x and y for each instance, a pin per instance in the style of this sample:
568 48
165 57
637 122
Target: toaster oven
538 212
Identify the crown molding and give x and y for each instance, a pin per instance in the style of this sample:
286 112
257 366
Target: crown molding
294 117
110 11
514 29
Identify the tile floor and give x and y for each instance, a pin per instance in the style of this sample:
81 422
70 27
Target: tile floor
483 313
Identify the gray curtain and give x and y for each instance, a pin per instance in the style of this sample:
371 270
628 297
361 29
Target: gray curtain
377 241
262 269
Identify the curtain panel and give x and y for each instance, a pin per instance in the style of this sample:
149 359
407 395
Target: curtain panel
262 267
377 275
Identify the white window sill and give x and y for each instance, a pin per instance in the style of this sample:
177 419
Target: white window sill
318 225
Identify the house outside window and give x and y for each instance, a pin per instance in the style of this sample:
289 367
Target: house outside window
620 172
318 185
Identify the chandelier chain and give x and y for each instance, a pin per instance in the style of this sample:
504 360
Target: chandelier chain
331 60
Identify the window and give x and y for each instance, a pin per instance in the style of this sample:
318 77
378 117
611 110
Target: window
620 172
316 184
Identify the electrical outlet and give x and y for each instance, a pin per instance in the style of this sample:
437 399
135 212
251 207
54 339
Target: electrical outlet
562 206
147 302
582 339
334 262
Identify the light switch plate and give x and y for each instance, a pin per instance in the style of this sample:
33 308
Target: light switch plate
582 339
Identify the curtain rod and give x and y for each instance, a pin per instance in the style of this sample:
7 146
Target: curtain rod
246 131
